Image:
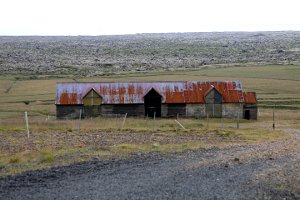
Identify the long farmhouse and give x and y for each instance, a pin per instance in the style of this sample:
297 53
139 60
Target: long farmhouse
162 99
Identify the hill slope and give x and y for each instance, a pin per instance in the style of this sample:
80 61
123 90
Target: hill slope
88 55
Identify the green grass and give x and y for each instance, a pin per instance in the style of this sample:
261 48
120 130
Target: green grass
273 84
277 72
46 157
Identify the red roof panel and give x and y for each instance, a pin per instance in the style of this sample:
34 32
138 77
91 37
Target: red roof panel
250 97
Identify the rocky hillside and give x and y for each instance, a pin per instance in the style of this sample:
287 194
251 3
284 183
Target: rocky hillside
98 55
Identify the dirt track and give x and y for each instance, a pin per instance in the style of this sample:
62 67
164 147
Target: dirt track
266 171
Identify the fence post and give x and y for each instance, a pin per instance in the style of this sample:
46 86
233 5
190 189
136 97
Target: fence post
274 117
27 125
238 120
79 121
222 123
124 121
154 120
207 121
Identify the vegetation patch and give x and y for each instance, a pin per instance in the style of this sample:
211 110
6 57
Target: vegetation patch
224 133
46 157
53 143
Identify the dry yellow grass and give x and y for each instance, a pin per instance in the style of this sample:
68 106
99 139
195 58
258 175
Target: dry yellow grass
53 142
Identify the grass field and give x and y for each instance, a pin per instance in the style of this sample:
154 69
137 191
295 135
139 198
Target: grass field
55 142
274 85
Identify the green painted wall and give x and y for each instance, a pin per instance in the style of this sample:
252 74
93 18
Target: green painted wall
92 99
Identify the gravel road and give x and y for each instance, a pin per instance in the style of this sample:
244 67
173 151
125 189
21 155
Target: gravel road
268 170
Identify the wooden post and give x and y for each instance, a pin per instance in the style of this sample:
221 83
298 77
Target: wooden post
238 120
27 125
124 121
222 124
274 118
207 120
154 120
117 124
79 121
186 111
180 124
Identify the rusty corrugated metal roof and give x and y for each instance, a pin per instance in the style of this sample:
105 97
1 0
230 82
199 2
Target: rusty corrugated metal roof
250 97
134 92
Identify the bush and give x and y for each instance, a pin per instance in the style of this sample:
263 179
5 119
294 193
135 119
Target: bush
47 158
26 102
14 160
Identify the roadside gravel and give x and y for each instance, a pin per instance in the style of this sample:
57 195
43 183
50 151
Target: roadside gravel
269 170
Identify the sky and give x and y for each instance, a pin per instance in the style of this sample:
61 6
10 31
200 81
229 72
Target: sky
113 17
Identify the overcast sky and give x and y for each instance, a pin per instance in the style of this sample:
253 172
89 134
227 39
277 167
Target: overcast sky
102 17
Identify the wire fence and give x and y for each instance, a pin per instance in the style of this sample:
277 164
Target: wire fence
267 119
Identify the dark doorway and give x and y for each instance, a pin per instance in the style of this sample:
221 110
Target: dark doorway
247 114
152 101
